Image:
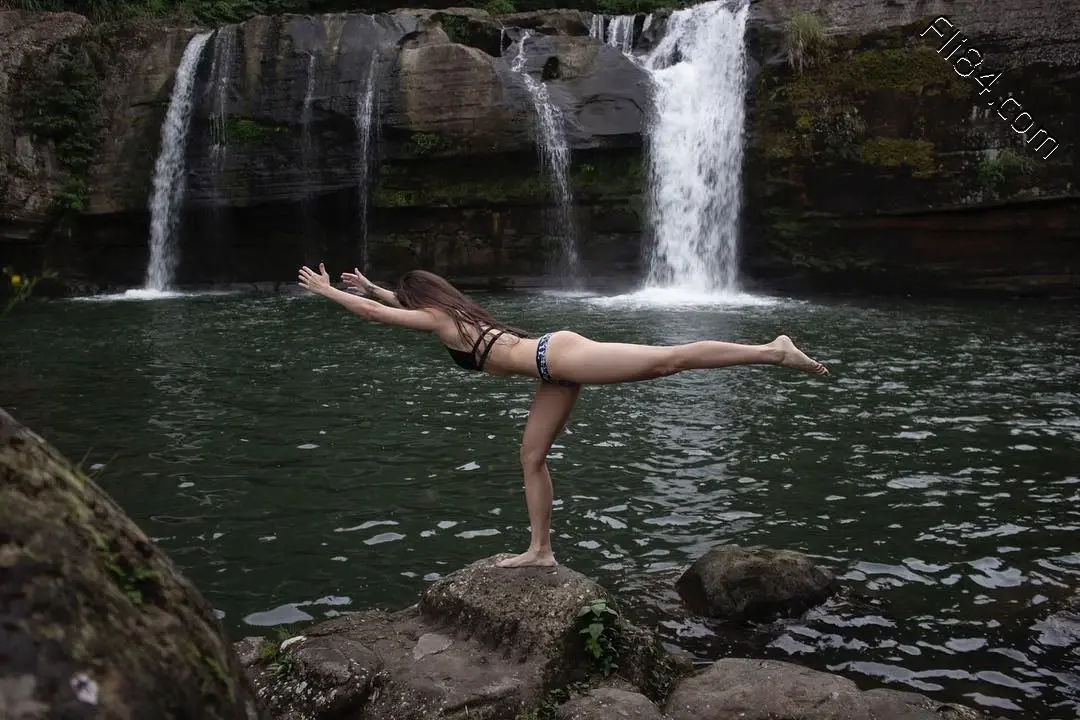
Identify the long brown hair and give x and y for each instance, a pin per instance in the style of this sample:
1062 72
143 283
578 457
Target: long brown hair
423 289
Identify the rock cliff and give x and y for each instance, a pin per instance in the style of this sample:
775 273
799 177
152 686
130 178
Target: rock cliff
871 164
878 166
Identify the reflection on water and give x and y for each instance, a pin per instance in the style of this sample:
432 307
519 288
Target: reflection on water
298 462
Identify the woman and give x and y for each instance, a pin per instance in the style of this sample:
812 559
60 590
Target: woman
562 361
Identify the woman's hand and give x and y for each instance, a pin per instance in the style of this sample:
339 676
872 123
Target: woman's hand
356 280
318 283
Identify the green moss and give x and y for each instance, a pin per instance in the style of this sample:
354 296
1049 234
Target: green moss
428 144
896 152
245 131
915 70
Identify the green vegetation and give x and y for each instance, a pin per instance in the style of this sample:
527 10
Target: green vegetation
244 131
271 655
602 636
896 152
500 7
998 171
19 286
443 182
58 99
805 41
428 143
903 71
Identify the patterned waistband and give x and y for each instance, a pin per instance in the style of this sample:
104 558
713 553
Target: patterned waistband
542 365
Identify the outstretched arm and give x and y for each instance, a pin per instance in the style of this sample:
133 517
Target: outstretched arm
319 283
356 280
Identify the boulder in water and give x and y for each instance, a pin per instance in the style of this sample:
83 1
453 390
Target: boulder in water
95 621
732 583
766 689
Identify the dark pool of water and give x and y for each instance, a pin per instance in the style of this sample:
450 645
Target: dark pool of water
297 461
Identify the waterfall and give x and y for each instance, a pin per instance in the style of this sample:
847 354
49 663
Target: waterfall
620 33
617 31
306 147
218 91
169 180
365 126
554 154
305 114
696 149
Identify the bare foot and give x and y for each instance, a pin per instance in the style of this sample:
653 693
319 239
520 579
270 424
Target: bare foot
530 558
794 358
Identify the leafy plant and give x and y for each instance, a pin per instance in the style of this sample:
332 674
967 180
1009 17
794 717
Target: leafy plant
806 40
602 635
21 286
997 171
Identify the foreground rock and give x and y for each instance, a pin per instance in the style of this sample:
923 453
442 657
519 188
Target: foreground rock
767 689
483 643
95 621
609 704
731 583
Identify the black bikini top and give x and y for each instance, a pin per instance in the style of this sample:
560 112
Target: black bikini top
468 360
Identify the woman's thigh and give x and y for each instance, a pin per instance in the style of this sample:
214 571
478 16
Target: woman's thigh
576 358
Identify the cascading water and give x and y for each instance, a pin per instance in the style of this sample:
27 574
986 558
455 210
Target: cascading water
218 90
696 149
306 146
365 126
617 31
169 180
305 115
620 33
554 154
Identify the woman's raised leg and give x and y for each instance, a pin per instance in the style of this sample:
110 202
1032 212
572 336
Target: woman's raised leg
577 359
550 410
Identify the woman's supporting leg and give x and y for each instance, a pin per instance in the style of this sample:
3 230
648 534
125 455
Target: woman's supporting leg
550 410
577 359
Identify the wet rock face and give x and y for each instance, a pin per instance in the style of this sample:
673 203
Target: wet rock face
731 583
490 641
94 620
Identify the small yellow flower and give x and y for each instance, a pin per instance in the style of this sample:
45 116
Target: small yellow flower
16 280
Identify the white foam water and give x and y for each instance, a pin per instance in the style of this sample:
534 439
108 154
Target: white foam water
169 180
695 154
676 298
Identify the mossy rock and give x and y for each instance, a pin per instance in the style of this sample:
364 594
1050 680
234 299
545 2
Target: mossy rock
916 70
918 155
248 131
97 620
474 30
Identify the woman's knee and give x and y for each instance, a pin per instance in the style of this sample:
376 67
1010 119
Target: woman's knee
673 361
532 458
